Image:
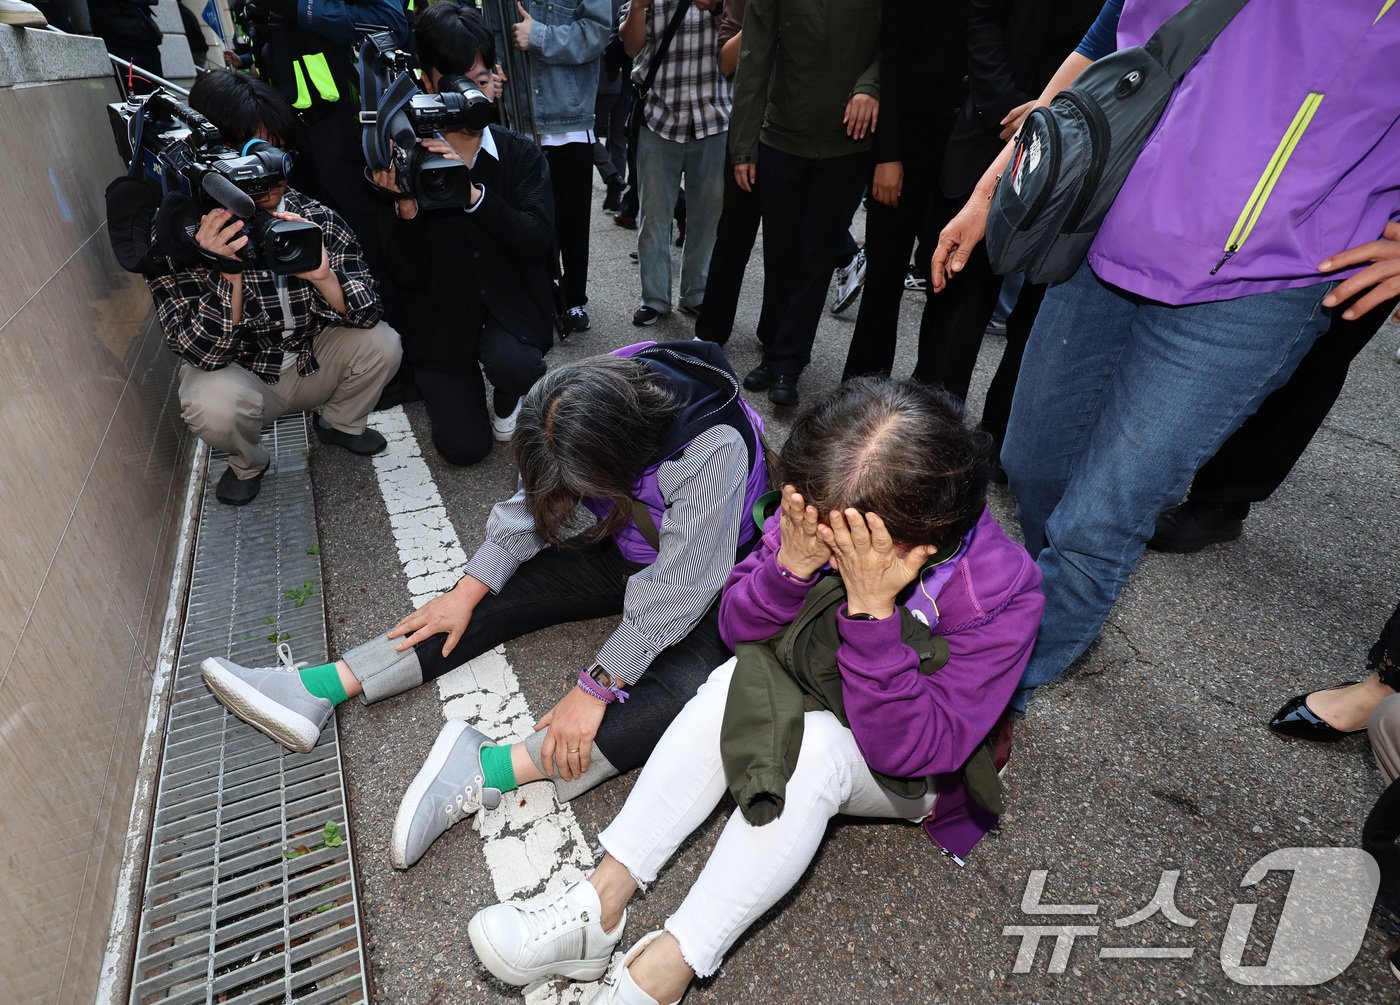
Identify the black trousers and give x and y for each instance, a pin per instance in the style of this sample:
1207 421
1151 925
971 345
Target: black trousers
807 206
996 409
583 581
456 402
734 239
1258 457
610 148
571 176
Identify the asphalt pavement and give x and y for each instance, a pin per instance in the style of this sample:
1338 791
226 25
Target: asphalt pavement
1150 756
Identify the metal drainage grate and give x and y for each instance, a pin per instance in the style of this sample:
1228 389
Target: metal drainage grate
250 885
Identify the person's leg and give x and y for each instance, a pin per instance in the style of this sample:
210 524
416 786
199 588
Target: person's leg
617 134
729 260
780 193
225 409
1349 708
603 105
889 238
511 365
456 404
953 323
1383 730
1186 378
571 174
356 364
704 189
996 408
659 165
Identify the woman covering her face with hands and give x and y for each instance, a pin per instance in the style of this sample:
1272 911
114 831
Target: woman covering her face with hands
883 591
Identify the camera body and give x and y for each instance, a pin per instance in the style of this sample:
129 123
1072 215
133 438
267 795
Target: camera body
167 142
396 113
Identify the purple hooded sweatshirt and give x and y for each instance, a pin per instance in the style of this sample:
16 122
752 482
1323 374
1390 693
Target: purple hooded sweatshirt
907 724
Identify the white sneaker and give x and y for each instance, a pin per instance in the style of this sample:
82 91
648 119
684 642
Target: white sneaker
504 428
620 988
550 936
21 14
849 279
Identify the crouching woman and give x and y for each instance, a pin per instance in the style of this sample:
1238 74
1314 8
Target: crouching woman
880 628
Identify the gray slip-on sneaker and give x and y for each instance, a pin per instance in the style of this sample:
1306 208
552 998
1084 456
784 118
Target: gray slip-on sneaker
448 788
272 700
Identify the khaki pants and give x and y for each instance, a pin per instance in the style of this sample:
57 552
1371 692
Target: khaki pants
227 408
1383 728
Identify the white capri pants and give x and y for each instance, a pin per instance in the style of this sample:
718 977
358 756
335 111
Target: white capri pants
751 868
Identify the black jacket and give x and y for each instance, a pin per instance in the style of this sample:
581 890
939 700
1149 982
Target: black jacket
922 71
1014 47
457 268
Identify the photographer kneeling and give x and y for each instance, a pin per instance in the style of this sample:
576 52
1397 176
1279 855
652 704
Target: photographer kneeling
257 345
476 277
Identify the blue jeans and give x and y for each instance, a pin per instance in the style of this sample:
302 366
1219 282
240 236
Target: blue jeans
1119 401
660 165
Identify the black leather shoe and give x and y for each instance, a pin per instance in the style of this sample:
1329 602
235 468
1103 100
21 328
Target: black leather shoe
784 390
235 491
1190 526
366 444
758 378
1295 719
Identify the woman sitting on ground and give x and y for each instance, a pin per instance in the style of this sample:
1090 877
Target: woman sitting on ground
657 443
883 594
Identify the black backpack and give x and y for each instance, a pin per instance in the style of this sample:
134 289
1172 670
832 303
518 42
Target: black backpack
1072 157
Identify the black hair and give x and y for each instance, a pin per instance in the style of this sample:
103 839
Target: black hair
899 449
450 37
589 429
240 106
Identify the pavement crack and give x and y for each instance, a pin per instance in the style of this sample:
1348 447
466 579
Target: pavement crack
1362 438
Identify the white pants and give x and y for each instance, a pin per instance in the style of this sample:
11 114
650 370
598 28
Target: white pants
751 867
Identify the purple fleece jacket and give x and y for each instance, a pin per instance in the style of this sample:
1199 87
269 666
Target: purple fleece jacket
907 724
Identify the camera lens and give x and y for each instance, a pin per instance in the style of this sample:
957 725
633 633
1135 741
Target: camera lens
284 248
437 183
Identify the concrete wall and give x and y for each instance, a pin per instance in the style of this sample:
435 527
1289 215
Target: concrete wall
94 459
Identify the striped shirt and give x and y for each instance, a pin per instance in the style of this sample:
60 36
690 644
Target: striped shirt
690 98
704 493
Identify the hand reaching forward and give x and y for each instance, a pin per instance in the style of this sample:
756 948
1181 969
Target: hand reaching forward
447 615
1379 281
870 565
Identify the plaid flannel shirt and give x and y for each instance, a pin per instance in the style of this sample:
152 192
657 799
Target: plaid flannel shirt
690 99
194 305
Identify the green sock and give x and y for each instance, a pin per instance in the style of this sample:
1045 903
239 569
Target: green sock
497 769
324 682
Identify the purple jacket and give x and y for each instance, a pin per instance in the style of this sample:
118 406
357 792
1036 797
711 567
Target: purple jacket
905 723
1280 147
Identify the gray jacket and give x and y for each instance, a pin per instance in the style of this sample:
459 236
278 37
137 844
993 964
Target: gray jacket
566 45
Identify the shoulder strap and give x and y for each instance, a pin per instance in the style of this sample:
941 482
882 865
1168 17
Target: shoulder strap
641 516
653 67
1189 32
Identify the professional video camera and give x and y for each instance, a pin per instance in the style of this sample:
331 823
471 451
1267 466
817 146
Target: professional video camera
165 141
395 113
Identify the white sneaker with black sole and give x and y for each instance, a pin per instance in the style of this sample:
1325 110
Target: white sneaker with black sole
553 935
849 279
272 700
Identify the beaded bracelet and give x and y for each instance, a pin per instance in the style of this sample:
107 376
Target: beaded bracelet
605 694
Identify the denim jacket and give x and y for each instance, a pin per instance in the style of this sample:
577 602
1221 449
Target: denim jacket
566 45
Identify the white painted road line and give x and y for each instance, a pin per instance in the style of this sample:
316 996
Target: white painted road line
532 845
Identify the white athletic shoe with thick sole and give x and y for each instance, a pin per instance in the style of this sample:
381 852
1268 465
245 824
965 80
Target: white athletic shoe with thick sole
620 988
559 935
272 700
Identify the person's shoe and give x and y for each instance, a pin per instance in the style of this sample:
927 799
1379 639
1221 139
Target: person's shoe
915 283
559 935
575 320
995 327
503 426
397 392
1189 526
620 988
448 788
624 221
272 700
849 279
1295 719
366 444
784 390
644 316
19 14
758 379
235 491
613 200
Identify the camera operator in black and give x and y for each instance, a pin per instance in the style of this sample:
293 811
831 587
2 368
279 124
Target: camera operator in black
256 346
476 279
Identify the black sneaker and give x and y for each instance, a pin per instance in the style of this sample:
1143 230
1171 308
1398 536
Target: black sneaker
575 319
784 390
366 444
235 491
1191 526
644 316
758 378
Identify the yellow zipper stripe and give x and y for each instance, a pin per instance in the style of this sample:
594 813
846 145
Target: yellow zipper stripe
1388 4
1249 216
